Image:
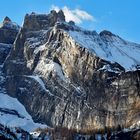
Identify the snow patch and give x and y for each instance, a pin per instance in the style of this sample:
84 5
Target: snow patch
35 134
108 68
25 123
135 125
39 80
45 66
41 83
40 48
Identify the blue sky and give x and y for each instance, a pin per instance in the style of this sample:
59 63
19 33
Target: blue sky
121 17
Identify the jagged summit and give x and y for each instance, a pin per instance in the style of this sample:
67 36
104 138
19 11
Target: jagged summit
8 31
68 76
8 24
35 21
104 45
61 16
6 19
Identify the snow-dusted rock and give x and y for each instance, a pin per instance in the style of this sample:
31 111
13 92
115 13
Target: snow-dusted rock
8 31
71 77
4 51
14 114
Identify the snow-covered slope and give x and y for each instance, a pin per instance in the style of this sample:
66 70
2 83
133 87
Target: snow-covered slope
44 67
13 113
110 47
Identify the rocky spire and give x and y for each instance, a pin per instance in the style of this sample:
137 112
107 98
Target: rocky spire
61 16
56 16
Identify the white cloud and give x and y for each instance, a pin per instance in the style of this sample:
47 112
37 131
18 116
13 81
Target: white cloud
54 7
76 15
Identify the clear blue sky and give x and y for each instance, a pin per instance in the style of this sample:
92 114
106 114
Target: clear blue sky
121 17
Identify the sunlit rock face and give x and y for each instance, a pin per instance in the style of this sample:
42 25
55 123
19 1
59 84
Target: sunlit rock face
35 22
71 77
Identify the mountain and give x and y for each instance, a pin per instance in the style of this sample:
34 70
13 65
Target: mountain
70 77
12 112
8 32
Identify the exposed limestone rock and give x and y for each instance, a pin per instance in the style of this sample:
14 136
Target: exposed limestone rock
60 82
37 22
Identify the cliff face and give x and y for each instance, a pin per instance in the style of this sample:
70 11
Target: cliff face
71 77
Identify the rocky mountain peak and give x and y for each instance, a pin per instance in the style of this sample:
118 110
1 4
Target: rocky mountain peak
6 19
36 22
9 24
8 31
68 76
61 16
108 36
106 33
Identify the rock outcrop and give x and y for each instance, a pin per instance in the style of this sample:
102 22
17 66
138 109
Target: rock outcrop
8 33
62 81
35 22
4 51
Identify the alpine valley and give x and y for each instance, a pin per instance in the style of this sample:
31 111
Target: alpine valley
56 74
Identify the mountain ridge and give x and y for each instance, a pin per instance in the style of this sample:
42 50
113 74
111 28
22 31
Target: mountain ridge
58 72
